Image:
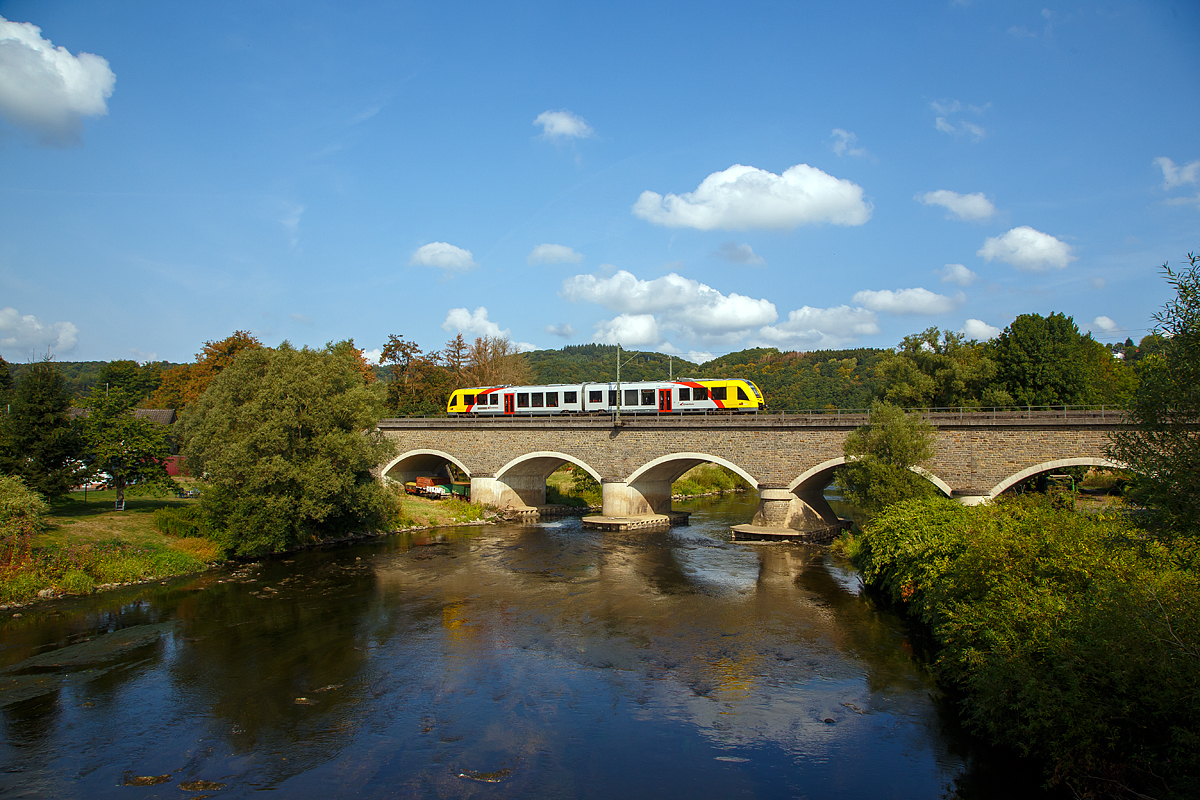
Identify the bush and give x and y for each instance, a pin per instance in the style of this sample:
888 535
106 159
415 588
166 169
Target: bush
21 512
76 582
181 523
1072 637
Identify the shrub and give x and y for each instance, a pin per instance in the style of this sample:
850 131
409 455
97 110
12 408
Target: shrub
182 523
21 511
76 582
1072 637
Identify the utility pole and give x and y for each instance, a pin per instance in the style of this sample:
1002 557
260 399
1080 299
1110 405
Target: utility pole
631 358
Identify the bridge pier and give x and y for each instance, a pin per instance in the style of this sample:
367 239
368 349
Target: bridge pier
519 492
803 514
622 499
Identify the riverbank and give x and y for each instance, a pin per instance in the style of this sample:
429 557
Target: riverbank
87 546
1071 637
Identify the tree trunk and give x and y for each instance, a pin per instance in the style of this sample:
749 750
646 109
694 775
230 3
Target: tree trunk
119 484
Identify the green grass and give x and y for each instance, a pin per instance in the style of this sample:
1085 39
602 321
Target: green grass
87 543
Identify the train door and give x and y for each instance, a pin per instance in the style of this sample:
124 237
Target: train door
509 404
664 400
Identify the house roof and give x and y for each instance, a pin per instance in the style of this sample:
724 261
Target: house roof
159 416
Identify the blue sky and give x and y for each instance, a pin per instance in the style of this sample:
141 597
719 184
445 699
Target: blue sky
693 178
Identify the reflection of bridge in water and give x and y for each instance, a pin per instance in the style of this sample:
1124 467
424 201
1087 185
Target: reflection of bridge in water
788 458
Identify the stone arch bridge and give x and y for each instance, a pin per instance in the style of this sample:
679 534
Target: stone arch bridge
788 458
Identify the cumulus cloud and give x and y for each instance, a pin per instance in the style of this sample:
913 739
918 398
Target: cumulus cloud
809 327
563 329
443 256
554 254
739 253
699 356
972 207
908 301
476 323
685 305
1106 324
459 320
630 330
46 90
373 356
957 274
844 144
1177 176
1028 250
980 330
563 125
744 197
26 335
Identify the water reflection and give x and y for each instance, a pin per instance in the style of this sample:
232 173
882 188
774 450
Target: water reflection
499 660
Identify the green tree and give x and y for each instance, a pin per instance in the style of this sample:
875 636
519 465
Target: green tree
936 369
127 448
1162 446
21 511
137 380
40 443
286 442
880 456
1045 361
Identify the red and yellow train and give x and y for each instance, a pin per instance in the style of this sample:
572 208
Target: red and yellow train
637 397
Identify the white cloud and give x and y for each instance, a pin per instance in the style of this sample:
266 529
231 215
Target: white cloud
1106 324
29 336
971 207
561 125
142 357
563 329
630 330
373 356
443 256
945 109
744 197
699 356
957 274
978 329
908 301
553 254
1177 176
46 90
685 305
1184 201
821 327
1028 250
739 253
459 320
843 144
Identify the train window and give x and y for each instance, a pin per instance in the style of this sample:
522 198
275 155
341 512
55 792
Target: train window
570 397
631 397
537 399
495 400
551 399
523 400
469 399
454 400
647 397
612 397
718 393
700 393
595 397
742 395
685 394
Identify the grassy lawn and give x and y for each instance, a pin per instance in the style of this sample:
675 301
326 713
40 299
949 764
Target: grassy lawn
423 512
87 543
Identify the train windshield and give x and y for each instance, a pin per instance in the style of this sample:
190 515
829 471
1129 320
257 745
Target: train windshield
757 393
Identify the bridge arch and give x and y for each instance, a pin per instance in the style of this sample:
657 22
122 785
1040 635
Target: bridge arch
542 463
671 467
420 462
1046 466
819 476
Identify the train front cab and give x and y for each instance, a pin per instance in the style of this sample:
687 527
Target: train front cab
734 395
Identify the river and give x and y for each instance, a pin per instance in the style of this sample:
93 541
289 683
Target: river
490 661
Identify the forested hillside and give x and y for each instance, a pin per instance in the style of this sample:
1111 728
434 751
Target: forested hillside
81 376
598 362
